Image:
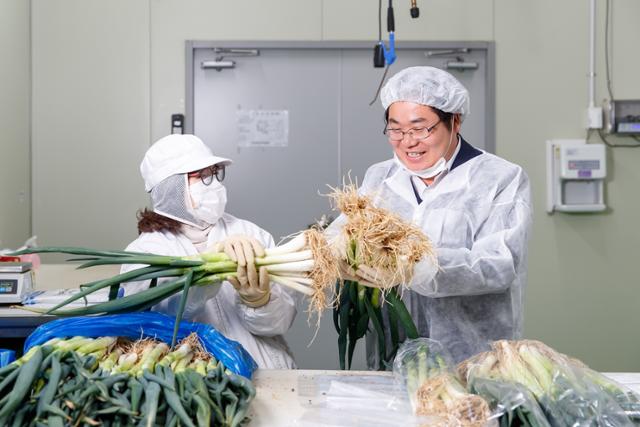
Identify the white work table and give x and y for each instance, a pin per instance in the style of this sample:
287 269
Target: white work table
283 396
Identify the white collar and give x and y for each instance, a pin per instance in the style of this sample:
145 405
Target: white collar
197 236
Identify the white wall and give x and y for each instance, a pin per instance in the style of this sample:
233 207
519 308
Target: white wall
90 119
15 167
108 74
440 20
583 284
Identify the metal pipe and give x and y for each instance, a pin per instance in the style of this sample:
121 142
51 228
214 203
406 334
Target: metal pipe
592 53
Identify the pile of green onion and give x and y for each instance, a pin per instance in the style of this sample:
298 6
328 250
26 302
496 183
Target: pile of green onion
113 382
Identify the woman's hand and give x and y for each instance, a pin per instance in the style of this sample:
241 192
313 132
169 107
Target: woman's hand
252 287
241 249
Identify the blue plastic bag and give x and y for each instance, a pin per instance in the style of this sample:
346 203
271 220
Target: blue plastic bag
147 325
6 357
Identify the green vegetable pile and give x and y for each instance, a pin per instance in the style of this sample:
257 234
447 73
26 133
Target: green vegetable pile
114 382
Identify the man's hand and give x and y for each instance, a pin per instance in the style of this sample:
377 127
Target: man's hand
365 275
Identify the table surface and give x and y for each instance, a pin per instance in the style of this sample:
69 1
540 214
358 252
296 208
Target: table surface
8 311
283 396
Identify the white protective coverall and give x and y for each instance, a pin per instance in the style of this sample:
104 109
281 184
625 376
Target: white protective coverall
478 216
259 330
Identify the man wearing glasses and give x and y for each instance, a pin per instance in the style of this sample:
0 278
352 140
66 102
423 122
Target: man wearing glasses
474 206
188 217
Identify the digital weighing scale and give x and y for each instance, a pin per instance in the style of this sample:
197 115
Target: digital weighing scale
16 279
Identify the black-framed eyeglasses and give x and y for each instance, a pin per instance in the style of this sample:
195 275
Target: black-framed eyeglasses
417 134
206 175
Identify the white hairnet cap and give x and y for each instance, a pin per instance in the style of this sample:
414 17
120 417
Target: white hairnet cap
176 154
427 86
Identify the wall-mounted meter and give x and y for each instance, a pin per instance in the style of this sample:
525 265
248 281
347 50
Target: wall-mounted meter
575 176
622 117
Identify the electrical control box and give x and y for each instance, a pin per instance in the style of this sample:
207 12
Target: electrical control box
622 117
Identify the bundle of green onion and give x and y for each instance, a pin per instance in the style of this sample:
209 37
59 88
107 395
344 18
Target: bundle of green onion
304 264
563 387
444 396
115 382
433 389
374 237
378 238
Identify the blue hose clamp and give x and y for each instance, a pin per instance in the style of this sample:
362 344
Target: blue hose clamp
390 55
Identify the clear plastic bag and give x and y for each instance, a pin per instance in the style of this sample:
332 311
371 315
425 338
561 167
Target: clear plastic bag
339 400
544 382
53 297
417 361
576 399
628 400
147 325
511 403
423 368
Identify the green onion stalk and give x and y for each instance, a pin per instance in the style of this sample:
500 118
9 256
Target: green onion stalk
374 237
305 264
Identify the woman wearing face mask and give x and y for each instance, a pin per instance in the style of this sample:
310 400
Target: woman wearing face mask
474 206
184 180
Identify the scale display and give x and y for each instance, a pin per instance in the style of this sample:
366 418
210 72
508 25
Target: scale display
8 287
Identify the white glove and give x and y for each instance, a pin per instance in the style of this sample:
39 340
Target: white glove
241 249
373 277
253 289
364 275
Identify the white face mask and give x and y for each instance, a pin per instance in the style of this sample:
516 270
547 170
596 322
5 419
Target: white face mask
434 170
209 201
